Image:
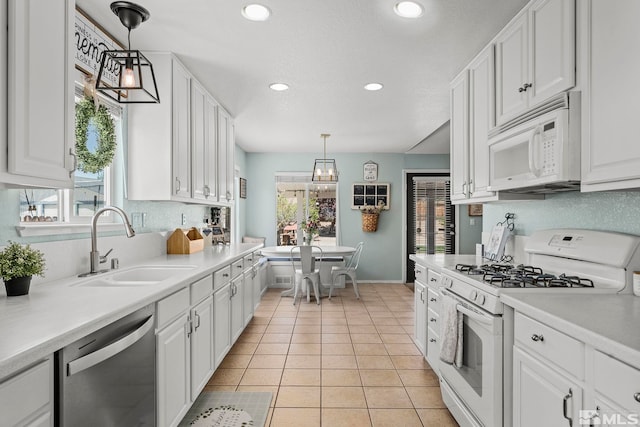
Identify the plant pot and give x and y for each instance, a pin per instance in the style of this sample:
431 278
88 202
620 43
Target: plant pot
369 222
17 286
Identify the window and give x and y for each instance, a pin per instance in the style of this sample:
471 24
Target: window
433 219
91 191
298 199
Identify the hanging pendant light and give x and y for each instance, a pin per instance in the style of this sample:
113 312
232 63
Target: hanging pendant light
136 81
325 170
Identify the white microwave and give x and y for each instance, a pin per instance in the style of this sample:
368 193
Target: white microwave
540 154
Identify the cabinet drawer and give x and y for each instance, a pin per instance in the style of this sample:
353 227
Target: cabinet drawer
171 307
433 279
221 277
201 289
26 393
421 273
433 320
433 300
236 267
617 381
561 349
249 260
433 348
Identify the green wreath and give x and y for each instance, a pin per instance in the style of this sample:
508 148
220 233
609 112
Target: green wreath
87 161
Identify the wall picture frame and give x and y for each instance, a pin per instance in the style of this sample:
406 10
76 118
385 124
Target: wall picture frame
370 171
243 188
475 209
367 194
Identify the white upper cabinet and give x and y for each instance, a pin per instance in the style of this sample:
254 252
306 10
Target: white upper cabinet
40 103
535 57
610 152
459 152
174 145
226 153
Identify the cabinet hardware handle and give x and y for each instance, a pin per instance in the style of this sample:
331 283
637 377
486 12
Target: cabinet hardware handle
206 191
198 323
595 415
527 86
75 162
432 340
421 296
636 396
189 327
239 266
464 188
225 275
521 89
433 299
433 279
433 319
564 407
178 185
536 337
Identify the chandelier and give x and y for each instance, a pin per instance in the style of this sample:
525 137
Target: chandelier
325 170
136 81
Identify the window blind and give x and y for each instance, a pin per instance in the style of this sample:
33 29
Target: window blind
433 224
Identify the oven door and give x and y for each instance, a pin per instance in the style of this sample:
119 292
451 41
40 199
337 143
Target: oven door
478 382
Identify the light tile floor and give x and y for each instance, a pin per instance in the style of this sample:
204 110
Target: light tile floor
345 362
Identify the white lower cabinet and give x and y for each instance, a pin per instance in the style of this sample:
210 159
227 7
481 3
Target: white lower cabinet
221 322
247 298
202 354
173 389
542 396
237 316
26 399
420 301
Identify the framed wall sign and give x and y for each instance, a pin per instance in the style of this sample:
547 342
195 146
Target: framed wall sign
367 194
370 171
475 209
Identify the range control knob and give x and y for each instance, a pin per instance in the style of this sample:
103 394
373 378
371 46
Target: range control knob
481 299
473 295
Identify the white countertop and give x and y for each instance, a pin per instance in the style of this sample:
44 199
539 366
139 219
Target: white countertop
440 261
608 322
57 313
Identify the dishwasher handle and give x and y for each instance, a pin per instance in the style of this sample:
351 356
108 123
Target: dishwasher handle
92 359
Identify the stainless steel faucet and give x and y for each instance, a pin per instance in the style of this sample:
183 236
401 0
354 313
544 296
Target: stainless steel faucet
94 257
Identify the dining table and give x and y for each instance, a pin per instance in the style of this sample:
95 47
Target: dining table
284 252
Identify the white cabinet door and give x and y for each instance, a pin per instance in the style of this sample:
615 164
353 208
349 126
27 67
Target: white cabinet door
481 119
198 140
202 355
552 47
27 399
257 290
459 136
247 298
221 322
40 93
181 142
211 149
226 154
541 396
237 316
420 306
512 69
174 394
610 152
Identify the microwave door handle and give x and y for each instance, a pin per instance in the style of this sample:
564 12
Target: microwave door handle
532 151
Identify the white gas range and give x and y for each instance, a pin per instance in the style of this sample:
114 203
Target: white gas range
478 393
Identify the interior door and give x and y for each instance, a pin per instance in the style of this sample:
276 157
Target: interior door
430 217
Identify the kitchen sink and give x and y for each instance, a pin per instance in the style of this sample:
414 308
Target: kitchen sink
138 276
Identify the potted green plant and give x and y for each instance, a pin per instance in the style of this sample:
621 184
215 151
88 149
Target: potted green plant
18 264
311 228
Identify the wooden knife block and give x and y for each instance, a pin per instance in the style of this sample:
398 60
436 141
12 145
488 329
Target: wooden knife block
185 241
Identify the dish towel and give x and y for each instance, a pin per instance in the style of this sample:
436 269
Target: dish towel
451 332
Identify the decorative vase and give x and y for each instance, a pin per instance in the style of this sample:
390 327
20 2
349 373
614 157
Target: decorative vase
17 286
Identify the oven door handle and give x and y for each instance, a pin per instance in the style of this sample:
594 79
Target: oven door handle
475 316
92 359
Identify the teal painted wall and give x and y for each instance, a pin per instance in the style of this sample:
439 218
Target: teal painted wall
382 256
241 165
609 211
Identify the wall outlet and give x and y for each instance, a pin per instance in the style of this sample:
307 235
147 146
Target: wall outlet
184 219
138 219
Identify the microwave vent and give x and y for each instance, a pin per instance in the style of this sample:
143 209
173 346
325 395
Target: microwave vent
559 187
557 102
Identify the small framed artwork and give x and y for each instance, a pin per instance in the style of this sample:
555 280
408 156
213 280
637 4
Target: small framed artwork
365 194
370 171
243 188
475 209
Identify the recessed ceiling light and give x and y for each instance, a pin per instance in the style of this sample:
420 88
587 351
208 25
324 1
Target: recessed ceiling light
279 87
256 12
408 9
373 86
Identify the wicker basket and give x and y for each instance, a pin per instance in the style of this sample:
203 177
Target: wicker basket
369 221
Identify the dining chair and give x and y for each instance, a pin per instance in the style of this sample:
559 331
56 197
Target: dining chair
348 270
305 271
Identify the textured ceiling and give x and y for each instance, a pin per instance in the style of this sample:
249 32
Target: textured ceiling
326 50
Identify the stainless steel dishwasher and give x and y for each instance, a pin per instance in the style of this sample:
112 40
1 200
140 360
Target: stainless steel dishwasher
107 378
